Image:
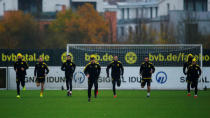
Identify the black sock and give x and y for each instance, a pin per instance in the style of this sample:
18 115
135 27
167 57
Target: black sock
196 90
70 85
89 92
114 89
67 84
18 88
188 87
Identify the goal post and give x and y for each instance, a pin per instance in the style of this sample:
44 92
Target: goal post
161 55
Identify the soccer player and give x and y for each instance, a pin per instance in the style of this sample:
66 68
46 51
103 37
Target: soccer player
117 70
185 68
40 72
193 73
20 68
146 70
69 68
92 72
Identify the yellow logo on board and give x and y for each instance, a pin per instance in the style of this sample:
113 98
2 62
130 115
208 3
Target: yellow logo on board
131 58
64 55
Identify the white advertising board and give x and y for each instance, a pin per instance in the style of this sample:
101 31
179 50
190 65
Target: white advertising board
163 78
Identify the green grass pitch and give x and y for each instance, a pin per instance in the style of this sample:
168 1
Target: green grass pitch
128 104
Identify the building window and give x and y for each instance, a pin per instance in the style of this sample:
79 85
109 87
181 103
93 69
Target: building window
130 29
30 6
191 32
195 5
58 7
156 11
168 7
137 13
123 13
137 29
150 12
76 5
204 5
122 31
118 31
128 13
146 13
143 12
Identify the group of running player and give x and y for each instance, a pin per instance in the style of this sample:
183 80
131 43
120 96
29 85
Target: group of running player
40 72
92 71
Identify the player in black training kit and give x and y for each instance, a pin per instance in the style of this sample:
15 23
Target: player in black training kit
20 68
146 71
92 72
185 68
117 70
193 73
69 68
40 72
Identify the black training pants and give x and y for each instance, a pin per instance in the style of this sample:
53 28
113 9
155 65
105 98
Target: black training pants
115 80
92 81
69 82
20 80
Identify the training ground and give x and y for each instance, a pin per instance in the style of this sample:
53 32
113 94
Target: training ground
128 104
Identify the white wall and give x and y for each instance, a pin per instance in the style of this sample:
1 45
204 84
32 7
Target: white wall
52 5
146 12
132 13
119 13
125 13
100 6
208 5
174 5
1 8
48 5
9 5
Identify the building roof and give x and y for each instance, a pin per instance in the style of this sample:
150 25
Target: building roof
109 6
114 2
152 3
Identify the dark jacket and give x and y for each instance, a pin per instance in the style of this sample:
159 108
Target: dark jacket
69 68
93 69
194 71
117 69
186 65
40 70
18 65
146 69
